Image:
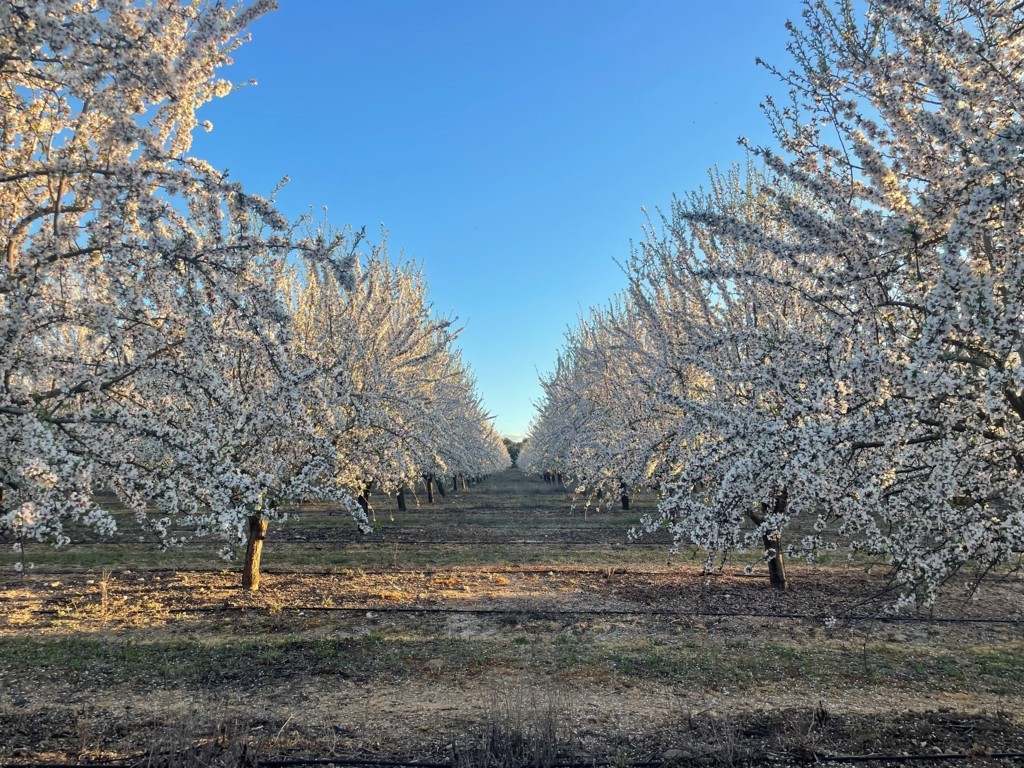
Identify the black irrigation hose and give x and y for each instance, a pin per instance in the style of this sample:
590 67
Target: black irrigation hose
409 764
356 762
594 612
920 758
432 542
353 761
617 570
544 612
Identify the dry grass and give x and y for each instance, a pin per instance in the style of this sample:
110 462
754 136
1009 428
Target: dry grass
183 666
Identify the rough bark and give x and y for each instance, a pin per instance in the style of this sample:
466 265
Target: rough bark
400 496
253 552
772 540
428 479
777 563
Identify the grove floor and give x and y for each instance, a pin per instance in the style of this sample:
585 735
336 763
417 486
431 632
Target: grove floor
502 612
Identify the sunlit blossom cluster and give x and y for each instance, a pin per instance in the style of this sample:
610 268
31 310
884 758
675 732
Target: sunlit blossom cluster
828 341
170 339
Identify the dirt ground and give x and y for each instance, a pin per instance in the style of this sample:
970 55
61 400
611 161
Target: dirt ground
459 662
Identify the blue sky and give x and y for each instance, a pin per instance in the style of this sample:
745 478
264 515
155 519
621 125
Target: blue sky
509 147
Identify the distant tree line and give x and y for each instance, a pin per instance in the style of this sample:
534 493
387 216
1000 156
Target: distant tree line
514 448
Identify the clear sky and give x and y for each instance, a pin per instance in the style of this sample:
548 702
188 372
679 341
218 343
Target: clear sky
508 146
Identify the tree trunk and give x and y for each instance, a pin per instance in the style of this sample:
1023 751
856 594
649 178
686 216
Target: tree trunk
430 488
625 497
465 485
440 487
401 500
777 563
773 541
253 551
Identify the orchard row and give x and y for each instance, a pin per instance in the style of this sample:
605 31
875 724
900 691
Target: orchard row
171 338
829 339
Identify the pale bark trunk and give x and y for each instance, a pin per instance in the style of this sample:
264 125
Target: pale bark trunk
253 552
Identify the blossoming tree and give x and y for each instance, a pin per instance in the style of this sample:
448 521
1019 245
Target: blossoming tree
145 340
129 264
838 339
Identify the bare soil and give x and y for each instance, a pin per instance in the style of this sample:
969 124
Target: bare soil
424 654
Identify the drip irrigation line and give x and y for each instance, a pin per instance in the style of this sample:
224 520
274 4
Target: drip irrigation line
429 542
545 612
348 761
671 613
613 570
410 764
607 571
355 762
920 758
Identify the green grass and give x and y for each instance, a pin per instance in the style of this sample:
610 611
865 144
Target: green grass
238 657
487 513
488 517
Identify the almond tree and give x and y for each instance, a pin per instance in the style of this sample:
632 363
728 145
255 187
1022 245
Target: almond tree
408 406
138 298
898 226
903 130
466 441
597 423
846 333
384 350
741 368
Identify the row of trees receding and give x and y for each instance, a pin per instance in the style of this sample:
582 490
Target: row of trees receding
168 337
829 340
